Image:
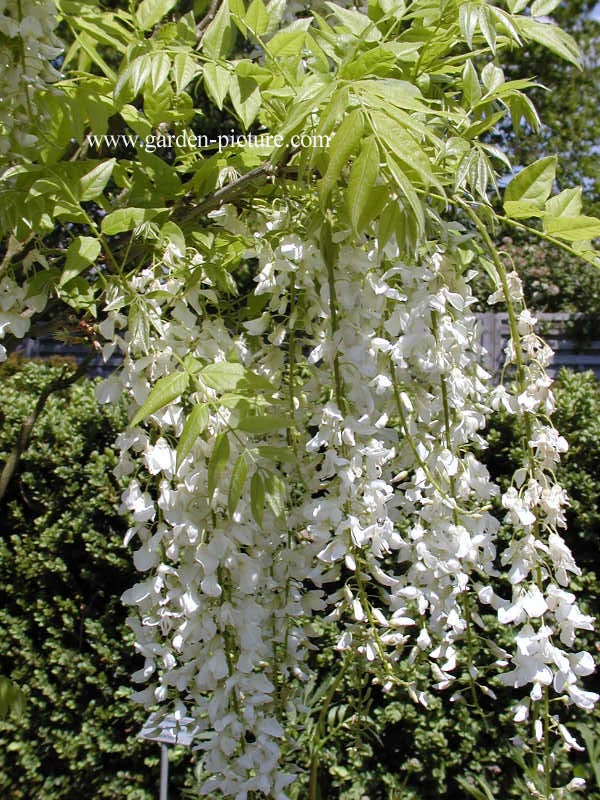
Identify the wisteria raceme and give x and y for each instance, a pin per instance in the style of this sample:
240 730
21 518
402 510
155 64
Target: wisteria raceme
19 302
29 46
370 484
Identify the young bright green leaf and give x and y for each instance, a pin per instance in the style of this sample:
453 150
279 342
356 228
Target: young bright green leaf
257 498
218 462
92 184
150 12
566 204
534 183
126 219
159 72
216 81
218 37
522 209
140 69
343 145
83 251
358 24
287 43
492 76
542 8
246 98
184 70
164 391
195 424
408 195
471 87
257 18
573 229
550 36
236 486
363 176
516 6
275 10
263 424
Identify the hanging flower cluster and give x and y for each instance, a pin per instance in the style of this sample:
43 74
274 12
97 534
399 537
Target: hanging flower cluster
330 442
19 301
29 45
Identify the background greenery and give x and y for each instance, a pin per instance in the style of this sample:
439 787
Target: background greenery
62 570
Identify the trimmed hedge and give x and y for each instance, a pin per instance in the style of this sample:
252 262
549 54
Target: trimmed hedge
63 637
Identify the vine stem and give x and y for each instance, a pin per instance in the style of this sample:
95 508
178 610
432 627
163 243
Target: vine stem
515 337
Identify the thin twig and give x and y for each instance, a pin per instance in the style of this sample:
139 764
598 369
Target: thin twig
230 191
211 13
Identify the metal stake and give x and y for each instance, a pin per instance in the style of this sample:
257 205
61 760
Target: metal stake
164 771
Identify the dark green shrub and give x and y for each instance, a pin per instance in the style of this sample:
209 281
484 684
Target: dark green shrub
62 570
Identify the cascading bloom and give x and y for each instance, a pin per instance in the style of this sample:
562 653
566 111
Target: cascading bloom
29 46
378 365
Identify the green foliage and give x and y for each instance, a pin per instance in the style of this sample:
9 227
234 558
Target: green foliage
62 570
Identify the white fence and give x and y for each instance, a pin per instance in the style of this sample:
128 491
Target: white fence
575 339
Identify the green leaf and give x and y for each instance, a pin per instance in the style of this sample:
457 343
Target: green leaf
218 37
218 462
257 18
566 204
257 498
573 229
139 71
149 12
471 87
165 390
217 80
287 43
542 8
358 24
195 424
92 184
534 183
274 453
516 6
172 233
246 98
275 495
227 376
519 209
411 199
343 145
159 72
263 424
184 70
552 37
238 479
126 219
83 251
363 176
